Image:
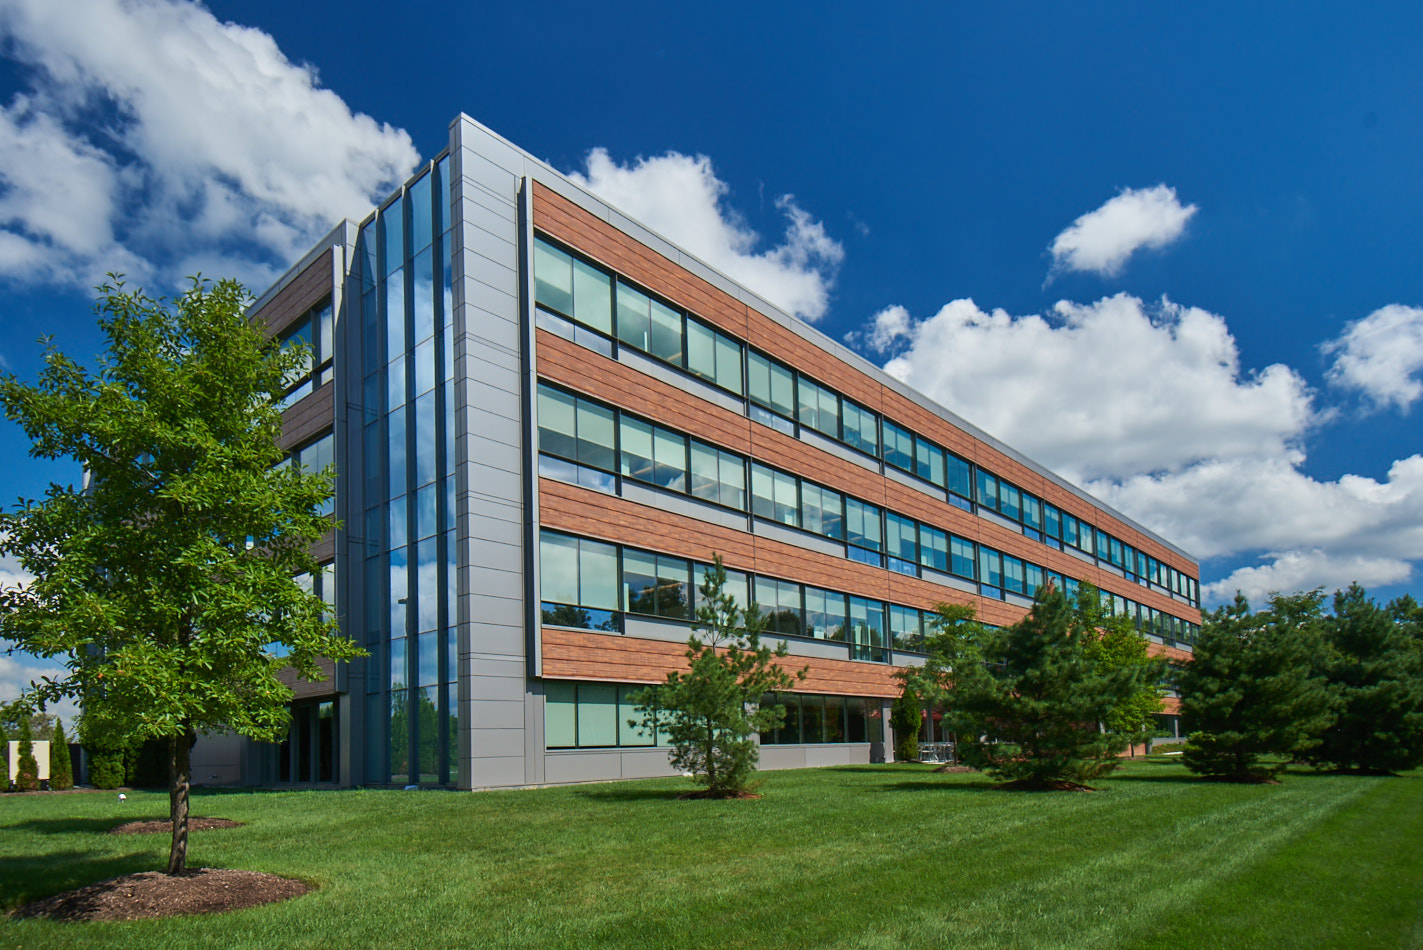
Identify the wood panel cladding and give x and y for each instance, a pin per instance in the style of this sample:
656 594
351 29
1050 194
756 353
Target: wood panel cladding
301 293
580 655
584 371
308 417
606 244
306 689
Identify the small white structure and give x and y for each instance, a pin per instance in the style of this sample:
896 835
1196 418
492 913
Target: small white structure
41 758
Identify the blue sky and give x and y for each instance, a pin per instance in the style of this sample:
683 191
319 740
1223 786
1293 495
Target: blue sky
1168 250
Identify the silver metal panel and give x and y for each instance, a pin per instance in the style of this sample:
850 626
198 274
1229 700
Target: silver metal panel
801 539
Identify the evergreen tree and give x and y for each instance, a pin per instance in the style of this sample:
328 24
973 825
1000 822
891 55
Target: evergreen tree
906 718
1042 696
712 711
1377 675
27 773
1250 689
165 583
61 770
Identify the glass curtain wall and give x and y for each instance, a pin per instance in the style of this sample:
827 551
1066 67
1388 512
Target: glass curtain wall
404 259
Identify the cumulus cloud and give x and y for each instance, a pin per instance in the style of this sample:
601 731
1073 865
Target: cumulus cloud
1149 408
1103 390
1381 356
680 197
156 131
1101 241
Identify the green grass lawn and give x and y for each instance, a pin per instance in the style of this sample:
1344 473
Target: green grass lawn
866 856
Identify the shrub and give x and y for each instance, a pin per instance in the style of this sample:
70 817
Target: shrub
905 717
27 776
61 771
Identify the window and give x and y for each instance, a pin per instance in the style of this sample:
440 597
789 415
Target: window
822 511
824 614
593 715
929 462
862 526
780 605
579 581
656 584
568 286
961 558
666 341
861 428
770 385
317 456
987 490
653 454
823 719
634 317
315 331
933 548
959 475
867 630
898 447
901 543
774 496
990 568
714 356
906 629
575 429
737 587
1010 501
718 476
1014 576
819 408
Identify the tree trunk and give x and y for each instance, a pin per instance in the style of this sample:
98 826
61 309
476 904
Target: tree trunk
179 769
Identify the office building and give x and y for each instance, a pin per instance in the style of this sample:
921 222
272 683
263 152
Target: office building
546 419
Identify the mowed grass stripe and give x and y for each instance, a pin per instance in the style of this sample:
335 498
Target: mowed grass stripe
875 856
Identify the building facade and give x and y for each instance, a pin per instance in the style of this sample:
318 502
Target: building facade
546 419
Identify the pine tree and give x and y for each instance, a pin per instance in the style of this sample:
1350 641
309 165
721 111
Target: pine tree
1043 697
1250 689
61 770
712 711
27 774
1377 675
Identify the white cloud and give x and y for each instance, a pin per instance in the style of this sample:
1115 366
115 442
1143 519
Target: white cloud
155 131
1381 356
680 197
1101 241
1149 409
1103 390
1305 570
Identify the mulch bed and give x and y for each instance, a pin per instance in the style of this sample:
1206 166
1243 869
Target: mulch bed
955 769
166 827
152 894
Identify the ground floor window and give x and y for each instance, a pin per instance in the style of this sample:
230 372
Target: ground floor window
814 719
308 753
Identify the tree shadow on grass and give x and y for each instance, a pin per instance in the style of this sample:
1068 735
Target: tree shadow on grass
69 826
30 877
612 793
928 785
887 768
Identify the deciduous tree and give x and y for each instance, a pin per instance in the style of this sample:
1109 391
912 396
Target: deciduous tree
712 711
164 585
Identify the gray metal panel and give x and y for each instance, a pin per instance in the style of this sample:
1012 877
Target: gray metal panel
801 539
491 446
